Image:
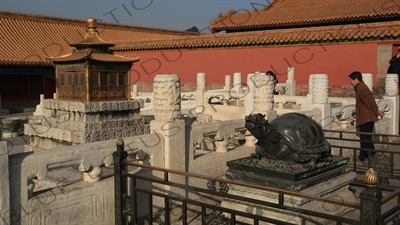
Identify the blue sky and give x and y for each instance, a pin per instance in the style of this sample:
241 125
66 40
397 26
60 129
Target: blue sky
169 14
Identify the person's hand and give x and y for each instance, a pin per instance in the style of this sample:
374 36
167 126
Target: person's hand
398 55
380 113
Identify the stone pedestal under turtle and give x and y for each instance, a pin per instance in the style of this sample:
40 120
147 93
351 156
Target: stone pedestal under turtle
292 137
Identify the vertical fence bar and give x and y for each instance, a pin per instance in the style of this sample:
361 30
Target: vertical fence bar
340 149
119 182
184 211
233 218
150 209
134 200
281 199
166 201
391 164
203 216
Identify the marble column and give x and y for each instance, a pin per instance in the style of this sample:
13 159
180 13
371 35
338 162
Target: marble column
291 82
391 85
249 98
319 98
227 82
237 82
368 80
167 123
167 97
391 92
320 88
264 95
201 88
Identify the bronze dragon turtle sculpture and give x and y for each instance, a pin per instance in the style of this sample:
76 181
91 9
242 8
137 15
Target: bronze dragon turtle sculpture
292 137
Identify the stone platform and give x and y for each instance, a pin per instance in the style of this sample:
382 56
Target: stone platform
336 188
67 122
329 180
284 175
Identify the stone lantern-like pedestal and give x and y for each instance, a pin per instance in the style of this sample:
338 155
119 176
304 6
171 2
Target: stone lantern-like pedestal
92 101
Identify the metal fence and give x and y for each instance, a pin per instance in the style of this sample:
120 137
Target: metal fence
201 204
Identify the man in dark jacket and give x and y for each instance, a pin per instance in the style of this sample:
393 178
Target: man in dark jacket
394 67
367 113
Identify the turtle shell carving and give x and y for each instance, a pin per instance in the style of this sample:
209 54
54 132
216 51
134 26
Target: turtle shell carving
291 137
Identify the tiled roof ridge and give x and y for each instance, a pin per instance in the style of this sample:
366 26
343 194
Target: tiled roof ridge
81 22
328 34
295 13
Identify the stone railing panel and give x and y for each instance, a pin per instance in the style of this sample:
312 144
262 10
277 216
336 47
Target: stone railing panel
25 167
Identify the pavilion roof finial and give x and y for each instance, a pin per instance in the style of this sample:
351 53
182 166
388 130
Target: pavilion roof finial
92 38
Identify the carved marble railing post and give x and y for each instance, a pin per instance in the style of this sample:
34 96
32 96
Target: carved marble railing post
135 91
237 86
4 184
391 85
227 82
391 92
167 97
250 139
39 108
368 80
264 95
371 198
169 125
320 89
291 81
310 89
225 132
237 82
318 98
93 174
201 88
249 98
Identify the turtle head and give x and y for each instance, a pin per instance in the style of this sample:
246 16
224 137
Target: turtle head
257 125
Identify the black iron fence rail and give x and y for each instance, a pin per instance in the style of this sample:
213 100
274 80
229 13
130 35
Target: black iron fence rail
390 171
126 200
233 213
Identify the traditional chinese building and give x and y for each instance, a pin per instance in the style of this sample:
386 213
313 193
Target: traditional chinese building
28 41
331 37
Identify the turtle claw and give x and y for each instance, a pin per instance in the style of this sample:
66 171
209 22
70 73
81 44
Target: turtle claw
328 159
310 165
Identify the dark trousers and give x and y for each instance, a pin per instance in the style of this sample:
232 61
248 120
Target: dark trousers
367 128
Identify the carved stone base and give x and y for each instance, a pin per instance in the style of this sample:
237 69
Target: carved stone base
285 175
336 188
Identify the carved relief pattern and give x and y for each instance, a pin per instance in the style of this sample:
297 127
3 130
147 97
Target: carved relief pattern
381 164
391 84
320 88
225 132
254 210
167 97
367 208
263 92
201 81
367 78
79 122
310 84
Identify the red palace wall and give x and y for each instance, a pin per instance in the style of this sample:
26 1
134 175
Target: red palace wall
336 60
